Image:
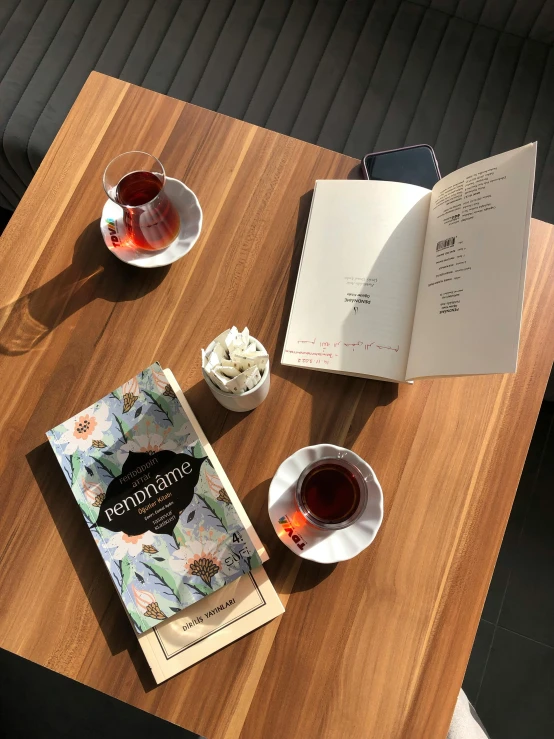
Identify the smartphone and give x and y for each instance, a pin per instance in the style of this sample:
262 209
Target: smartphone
415 165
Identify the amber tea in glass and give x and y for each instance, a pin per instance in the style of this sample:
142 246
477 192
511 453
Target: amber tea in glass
331 493
136 182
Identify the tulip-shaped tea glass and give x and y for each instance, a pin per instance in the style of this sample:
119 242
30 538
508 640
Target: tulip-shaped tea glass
136 182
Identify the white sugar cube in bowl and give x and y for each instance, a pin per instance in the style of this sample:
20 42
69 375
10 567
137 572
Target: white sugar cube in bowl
236 369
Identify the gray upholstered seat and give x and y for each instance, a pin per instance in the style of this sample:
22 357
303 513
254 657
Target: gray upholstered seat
470 77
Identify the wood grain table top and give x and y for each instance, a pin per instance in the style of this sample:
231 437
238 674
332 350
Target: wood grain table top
375 647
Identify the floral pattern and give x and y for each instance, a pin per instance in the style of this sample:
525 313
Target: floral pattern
86 428
160 380
147 603
156 574
130 545
130 394
149 437
94 493
199 558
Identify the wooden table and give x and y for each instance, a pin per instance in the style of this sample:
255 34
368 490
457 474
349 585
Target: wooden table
375 647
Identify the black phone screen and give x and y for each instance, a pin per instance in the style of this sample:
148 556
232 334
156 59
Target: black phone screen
414 165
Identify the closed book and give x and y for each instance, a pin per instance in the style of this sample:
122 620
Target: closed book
221 618
154 500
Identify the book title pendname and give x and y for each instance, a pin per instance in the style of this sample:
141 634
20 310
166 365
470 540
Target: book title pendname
160 483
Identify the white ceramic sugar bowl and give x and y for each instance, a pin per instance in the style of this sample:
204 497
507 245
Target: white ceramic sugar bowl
250 399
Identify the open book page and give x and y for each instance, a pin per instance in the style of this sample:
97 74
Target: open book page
355 295
470 295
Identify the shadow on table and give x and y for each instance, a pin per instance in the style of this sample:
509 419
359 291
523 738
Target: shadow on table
87 562
93 273
214 419
282 559
360 395
356 173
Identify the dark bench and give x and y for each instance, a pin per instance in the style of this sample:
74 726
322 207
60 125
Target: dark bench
469 77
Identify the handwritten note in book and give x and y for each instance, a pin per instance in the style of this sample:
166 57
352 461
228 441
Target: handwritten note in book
356 290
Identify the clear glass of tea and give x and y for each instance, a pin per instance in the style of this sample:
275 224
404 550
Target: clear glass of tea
331 493
136 181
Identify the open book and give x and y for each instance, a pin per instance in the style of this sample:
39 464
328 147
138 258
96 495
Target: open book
398 282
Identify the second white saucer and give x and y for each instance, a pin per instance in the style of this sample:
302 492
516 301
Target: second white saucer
307 541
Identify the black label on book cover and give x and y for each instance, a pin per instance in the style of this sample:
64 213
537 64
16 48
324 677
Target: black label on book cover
151 492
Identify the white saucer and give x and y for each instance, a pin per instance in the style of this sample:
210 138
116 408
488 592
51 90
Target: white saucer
188 207
304 539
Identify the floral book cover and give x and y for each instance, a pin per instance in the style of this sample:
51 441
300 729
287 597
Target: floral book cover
165 525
